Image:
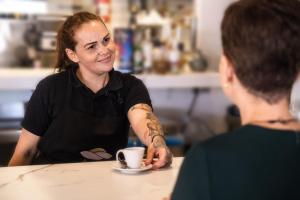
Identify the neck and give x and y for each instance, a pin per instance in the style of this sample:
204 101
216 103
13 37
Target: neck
275 116
93 81
257 110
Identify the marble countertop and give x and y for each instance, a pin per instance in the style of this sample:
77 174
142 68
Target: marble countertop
88 181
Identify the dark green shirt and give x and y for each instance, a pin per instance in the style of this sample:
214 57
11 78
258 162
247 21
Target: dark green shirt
250 163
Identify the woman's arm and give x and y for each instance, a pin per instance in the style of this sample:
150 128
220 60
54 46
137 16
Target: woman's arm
147 127
25 150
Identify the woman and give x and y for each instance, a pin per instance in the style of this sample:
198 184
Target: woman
260 63
84 111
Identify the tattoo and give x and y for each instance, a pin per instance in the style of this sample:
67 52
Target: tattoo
142 107
153 125
159 142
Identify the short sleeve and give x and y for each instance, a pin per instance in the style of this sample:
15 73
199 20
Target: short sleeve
193 178
137 93
37 119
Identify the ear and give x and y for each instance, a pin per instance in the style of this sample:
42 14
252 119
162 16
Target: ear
226 71
71 55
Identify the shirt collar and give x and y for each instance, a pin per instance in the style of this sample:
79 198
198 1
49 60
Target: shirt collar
114 83
73 77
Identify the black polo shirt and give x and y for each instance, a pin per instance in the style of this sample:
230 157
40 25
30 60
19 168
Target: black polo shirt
48 100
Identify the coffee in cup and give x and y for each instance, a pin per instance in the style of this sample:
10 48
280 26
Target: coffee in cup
133 156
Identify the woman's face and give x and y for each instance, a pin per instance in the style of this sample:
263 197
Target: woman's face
95 50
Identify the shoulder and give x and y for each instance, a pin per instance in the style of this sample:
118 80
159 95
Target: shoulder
53 81
230 136
129 84
228 141
127 79
132 89
211 152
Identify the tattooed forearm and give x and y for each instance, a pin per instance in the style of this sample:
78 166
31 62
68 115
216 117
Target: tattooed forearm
153 133
153 126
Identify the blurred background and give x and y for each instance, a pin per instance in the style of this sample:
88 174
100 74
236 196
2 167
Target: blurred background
173 46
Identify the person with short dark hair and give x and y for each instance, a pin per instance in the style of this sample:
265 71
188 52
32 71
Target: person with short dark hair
83 112
259 65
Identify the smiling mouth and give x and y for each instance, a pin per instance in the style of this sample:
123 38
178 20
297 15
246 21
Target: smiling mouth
105 60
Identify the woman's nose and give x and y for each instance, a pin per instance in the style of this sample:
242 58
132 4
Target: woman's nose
108 49
102 50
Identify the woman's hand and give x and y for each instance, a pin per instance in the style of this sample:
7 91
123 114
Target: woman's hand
159 149
146 125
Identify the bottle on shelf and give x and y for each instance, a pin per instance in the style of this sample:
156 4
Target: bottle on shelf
138 57
160 64
147 51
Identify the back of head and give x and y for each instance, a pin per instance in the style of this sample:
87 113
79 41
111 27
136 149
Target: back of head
261 38
65 37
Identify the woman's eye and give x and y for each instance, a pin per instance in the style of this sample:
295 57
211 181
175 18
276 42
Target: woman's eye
92 46
106 40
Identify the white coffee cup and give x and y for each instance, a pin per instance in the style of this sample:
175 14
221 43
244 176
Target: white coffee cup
133 156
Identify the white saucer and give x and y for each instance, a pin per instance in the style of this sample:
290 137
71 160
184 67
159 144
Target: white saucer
132 171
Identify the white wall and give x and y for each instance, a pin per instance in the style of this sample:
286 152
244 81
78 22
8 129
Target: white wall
209 14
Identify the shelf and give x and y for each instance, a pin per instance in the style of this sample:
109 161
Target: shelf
181 81
21 79
27 79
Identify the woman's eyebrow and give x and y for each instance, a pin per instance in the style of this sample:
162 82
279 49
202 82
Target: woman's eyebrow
90 43
94 42
107 35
